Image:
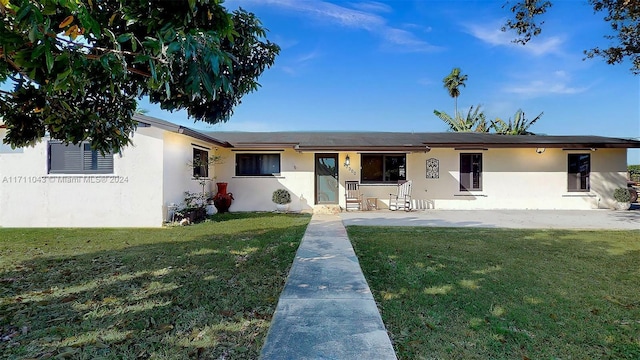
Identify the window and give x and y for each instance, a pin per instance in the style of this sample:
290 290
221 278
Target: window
381 168
579 170
470 172
200 163
257 164
78 159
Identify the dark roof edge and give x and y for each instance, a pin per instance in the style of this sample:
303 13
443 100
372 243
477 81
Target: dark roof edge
586 145
364 148
169 126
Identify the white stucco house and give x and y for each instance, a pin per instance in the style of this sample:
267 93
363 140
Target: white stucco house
53 185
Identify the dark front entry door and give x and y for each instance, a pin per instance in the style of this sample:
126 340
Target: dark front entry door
326 178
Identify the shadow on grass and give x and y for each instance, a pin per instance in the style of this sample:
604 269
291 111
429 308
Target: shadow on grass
247 215
504 294
206 291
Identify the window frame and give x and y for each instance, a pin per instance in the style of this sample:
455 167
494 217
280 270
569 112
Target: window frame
471 172
384 157
572 177
83 150
258 173
203 167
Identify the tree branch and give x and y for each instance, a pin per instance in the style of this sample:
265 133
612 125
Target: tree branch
13 64
104 50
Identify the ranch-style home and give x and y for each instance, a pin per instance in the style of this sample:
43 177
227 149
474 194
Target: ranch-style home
55 185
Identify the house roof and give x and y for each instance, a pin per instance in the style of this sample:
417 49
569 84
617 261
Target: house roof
396 141
385 141
169 126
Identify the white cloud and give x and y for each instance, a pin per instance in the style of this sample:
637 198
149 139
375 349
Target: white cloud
339 14
363 16
556 83
293 66
307 57
285 43
405 40
288 69
418 27
372 6
492 35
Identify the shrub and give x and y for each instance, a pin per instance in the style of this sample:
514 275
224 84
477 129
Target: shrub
622 195
634 173
281 196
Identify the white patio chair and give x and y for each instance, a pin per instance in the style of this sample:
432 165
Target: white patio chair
352 195
401 200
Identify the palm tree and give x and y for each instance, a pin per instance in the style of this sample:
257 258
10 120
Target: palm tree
452 83
519 125
474 121
140 111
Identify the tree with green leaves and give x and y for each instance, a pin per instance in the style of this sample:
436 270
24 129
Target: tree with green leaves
622 15
474 121
518 126
78 67
452 83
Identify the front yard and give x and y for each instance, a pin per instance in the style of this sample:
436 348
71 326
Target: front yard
505 294
203 291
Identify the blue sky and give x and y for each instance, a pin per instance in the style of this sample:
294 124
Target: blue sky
378 66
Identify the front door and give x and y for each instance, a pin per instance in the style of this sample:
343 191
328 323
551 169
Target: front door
326 178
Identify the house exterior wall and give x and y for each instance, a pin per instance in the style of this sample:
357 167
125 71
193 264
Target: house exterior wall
253 193
131 196
177 172
511 179
518 178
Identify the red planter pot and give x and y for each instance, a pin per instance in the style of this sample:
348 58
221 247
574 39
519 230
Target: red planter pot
223 199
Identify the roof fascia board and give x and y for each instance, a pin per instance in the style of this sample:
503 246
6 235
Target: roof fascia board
364 148
200 136
246 145
168 126
539 144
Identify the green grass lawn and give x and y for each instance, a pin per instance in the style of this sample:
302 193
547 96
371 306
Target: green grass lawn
202 291
505 294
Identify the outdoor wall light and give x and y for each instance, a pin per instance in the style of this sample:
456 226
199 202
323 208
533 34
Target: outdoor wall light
540 150
347 161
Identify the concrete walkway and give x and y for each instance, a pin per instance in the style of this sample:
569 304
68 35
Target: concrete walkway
326 310
521 219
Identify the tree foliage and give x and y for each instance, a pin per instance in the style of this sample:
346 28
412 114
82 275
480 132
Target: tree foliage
77 67
474 121
452 83
622 15
518 126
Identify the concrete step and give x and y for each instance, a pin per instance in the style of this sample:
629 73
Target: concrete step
327 209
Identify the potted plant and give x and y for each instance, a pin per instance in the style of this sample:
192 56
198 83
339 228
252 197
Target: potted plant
194 208
281 198
623 198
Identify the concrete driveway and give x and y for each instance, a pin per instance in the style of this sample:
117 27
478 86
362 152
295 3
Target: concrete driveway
519 219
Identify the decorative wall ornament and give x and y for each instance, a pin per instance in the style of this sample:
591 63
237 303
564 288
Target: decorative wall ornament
433 168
